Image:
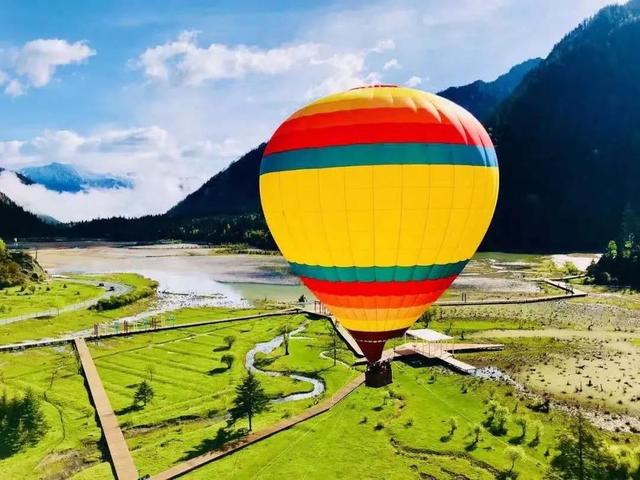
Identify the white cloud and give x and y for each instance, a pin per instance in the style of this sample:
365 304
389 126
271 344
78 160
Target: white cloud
35 63
14 88
393 63
414 81
162 170
184 61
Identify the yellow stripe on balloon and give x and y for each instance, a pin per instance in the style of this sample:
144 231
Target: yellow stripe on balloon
390 324
379 97
381 215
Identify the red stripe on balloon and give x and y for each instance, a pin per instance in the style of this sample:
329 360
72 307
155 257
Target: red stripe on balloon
368 134
413 287
361 116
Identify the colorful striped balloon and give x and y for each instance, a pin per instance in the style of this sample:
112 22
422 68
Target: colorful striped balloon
378 197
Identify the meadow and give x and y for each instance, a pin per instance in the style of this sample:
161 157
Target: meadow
403 432
583 352
194 388
38 297
72 322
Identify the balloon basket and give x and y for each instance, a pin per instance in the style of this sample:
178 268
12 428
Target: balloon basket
378 374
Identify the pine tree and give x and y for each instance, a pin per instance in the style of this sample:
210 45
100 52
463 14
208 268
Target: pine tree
250 400
144 394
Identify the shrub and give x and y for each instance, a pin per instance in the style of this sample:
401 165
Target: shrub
118 301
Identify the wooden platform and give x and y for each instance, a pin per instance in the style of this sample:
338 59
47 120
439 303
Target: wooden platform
442 352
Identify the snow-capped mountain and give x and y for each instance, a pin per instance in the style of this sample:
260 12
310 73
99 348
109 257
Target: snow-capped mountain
62 177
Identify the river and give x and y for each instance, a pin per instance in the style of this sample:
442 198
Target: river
270 346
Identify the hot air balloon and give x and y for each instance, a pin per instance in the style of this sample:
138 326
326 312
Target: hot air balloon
378 197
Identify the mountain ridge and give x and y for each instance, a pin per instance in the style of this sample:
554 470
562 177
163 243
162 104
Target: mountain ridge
566 140
63 177
482 98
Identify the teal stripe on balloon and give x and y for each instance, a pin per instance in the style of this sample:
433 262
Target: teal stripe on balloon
380 154
378 274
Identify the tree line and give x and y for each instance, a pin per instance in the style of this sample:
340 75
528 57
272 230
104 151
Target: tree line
620 263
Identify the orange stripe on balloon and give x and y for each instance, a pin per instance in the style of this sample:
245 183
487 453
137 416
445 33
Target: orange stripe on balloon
363 102
378 301
377 314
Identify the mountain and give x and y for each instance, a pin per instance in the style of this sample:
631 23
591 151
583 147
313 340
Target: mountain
21 177
232 191
235 189
17 222
62 177
568 141
482 98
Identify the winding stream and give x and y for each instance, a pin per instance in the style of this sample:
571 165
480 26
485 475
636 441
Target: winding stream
270 346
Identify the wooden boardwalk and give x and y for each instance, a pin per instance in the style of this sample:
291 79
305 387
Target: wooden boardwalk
314 411
570 293
442 352
121 460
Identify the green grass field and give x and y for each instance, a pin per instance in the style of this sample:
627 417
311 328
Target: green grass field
399 432
55 294
70 322
193 390
194 315
70 448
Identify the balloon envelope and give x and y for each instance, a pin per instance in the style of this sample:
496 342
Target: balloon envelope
378 197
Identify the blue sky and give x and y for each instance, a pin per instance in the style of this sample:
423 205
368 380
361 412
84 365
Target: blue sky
167 93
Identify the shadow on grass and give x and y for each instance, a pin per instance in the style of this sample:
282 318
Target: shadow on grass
215 371
472 446
129 409
222 438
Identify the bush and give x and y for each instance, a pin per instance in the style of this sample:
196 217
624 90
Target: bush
118 301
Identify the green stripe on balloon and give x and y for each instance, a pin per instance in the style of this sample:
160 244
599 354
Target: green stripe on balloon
378 274
380 154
